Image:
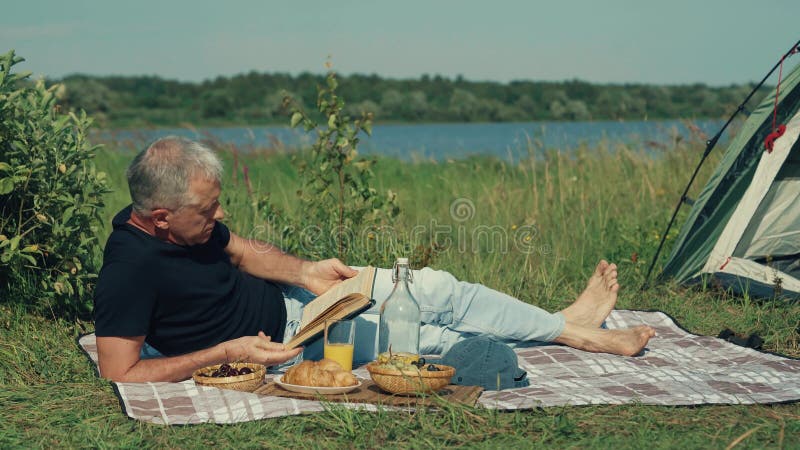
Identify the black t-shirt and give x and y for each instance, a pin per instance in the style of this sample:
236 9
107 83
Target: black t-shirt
182 298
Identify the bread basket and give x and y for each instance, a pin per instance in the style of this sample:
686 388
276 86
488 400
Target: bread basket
410 381
248 382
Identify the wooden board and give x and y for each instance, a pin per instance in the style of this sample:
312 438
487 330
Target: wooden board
368 392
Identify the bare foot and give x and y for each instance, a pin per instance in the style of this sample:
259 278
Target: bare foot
597 300
625 342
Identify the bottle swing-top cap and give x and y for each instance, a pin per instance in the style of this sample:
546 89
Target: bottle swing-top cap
396 271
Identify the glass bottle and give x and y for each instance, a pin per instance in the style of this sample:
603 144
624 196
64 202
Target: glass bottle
400 316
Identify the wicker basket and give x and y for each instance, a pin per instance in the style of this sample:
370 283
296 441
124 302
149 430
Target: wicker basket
248 382
410 382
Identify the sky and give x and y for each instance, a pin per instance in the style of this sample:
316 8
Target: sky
715 42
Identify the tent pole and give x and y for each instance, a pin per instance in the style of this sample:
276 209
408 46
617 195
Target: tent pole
709 147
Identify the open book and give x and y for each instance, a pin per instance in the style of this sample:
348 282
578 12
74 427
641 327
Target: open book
344 300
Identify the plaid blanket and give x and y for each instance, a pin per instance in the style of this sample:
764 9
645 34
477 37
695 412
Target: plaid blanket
678 368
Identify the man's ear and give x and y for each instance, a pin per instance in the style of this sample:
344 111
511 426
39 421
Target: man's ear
159 218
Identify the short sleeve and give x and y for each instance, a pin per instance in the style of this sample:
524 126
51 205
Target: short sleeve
124 300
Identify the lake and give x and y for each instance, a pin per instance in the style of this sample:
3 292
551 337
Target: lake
507 141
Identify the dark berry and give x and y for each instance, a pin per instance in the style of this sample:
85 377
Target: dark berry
245 371
233 372
225 368
432 368
216 374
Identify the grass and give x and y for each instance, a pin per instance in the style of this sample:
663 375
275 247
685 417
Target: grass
597 203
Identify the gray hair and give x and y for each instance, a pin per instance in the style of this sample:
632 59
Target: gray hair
159 176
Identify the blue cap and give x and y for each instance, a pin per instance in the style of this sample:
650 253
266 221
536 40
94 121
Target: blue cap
485 362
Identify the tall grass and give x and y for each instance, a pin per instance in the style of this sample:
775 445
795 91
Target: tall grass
603 202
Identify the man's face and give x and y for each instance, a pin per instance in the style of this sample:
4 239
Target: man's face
193 223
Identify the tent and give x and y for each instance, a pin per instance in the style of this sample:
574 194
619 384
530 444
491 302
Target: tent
743 231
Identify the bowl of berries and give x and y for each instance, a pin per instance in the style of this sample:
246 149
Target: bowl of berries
238 376
407 374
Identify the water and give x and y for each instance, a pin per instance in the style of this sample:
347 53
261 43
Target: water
440 142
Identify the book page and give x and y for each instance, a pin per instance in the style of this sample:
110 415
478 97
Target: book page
361 283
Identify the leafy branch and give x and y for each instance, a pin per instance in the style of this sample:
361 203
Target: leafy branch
337 193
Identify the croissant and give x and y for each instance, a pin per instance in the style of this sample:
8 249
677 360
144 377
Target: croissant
330 365
322 378
344 378
325 373
299 374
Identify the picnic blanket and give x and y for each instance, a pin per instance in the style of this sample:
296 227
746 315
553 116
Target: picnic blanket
678 368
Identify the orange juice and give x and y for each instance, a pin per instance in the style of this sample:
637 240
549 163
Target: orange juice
341 353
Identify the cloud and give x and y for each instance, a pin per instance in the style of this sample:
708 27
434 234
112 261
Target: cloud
25 32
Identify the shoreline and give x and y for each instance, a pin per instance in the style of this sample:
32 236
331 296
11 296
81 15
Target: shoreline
245 125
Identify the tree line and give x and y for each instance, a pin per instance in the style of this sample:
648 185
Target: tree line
259 98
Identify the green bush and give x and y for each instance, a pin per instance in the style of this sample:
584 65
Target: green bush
50 198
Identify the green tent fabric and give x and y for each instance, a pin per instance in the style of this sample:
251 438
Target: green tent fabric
717 202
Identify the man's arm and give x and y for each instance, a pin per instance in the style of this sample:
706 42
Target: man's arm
267 261
118 358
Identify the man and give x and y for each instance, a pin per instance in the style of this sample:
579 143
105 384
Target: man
177 284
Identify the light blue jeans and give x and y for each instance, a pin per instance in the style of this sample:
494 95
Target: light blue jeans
452 310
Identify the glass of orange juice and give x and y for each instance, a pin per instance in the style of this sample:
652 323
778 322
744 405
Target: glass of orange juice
339 336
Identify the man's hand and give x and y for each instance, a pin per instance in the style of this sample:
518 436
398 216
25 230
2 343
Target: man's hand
259 349
319 276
